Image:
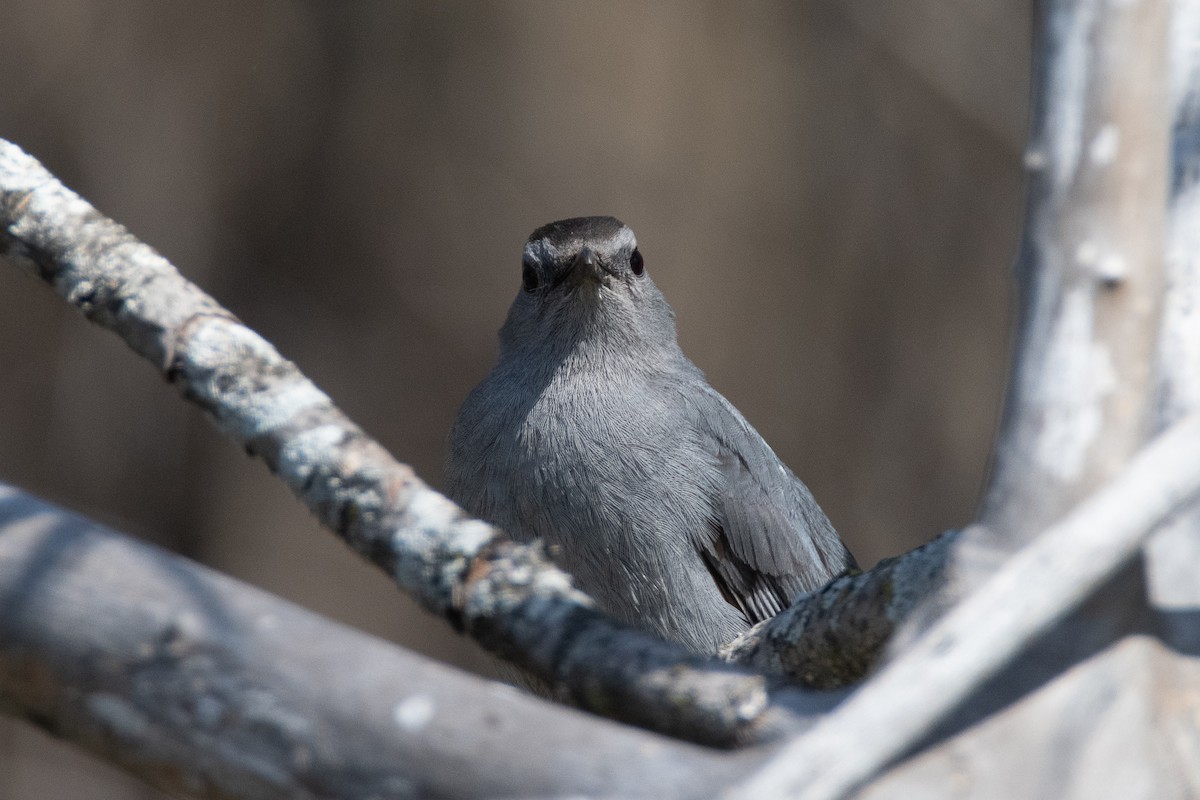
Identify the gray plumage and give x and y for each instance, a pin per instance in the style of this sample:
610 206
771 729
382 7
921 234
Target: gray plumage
596 434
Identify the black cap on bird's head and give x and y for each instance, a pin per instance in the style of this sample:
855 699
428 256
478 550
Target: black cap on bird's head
579 249
565 231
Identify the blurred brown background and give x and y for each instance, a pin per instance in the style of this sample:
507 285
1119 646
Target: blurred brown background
828 193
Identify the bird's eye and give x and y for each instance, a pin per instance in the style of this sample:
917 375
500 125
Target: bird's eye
529 276
636 262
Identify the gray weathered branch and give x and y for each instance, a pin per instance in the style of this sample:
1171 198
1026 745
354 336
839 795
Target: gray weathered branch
1079 403
1174 552
206 687
1035 588
1090 266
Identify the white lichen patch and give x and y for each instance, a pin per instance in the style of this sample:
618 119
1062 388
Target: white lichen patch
555 582
21 172
183 631
1112 268
284 402
413 713
433 512
307 449
1105 145
1072 389
1105 263
229 363
1087 253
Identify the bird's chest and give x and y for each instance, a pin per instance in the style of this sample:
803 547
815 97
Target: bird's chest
588 462
592 444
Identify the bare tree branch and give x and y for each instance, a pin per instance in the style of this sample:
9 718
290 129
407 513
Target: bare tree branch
206 687
1079 402
1035 588
833 637
1174 552
1118 723
1090 266
508 596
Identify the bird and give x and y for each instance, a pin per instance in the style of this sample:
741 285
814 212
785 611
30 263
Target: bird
594 433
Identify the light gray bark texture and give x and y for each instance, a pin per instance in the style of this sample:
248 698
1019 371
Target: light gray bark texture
1090 267
1175 551
206 687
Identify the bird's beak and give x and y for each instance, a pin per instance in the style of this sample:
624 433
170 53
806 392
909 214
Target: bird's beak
587 267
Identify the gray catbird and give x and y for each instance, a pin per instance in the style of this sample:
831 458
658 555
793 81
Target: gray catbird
596 434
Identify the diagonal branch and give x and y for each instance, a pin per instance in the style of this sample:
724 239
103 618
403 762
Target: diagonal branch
1035 588
508 596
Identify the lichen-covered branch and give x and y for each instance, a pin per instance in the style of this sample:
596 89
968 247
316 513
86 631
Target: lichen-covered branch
508 596
206 687
833 637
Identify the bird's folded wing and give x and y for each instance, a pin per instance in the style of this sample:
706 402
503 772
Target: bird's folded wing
769 540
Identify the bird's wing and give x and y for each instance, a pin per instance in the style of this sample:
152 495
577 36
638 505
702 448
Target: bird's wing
769 540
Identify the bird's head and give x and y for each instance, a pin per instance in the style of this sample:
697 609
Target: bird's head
584 280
